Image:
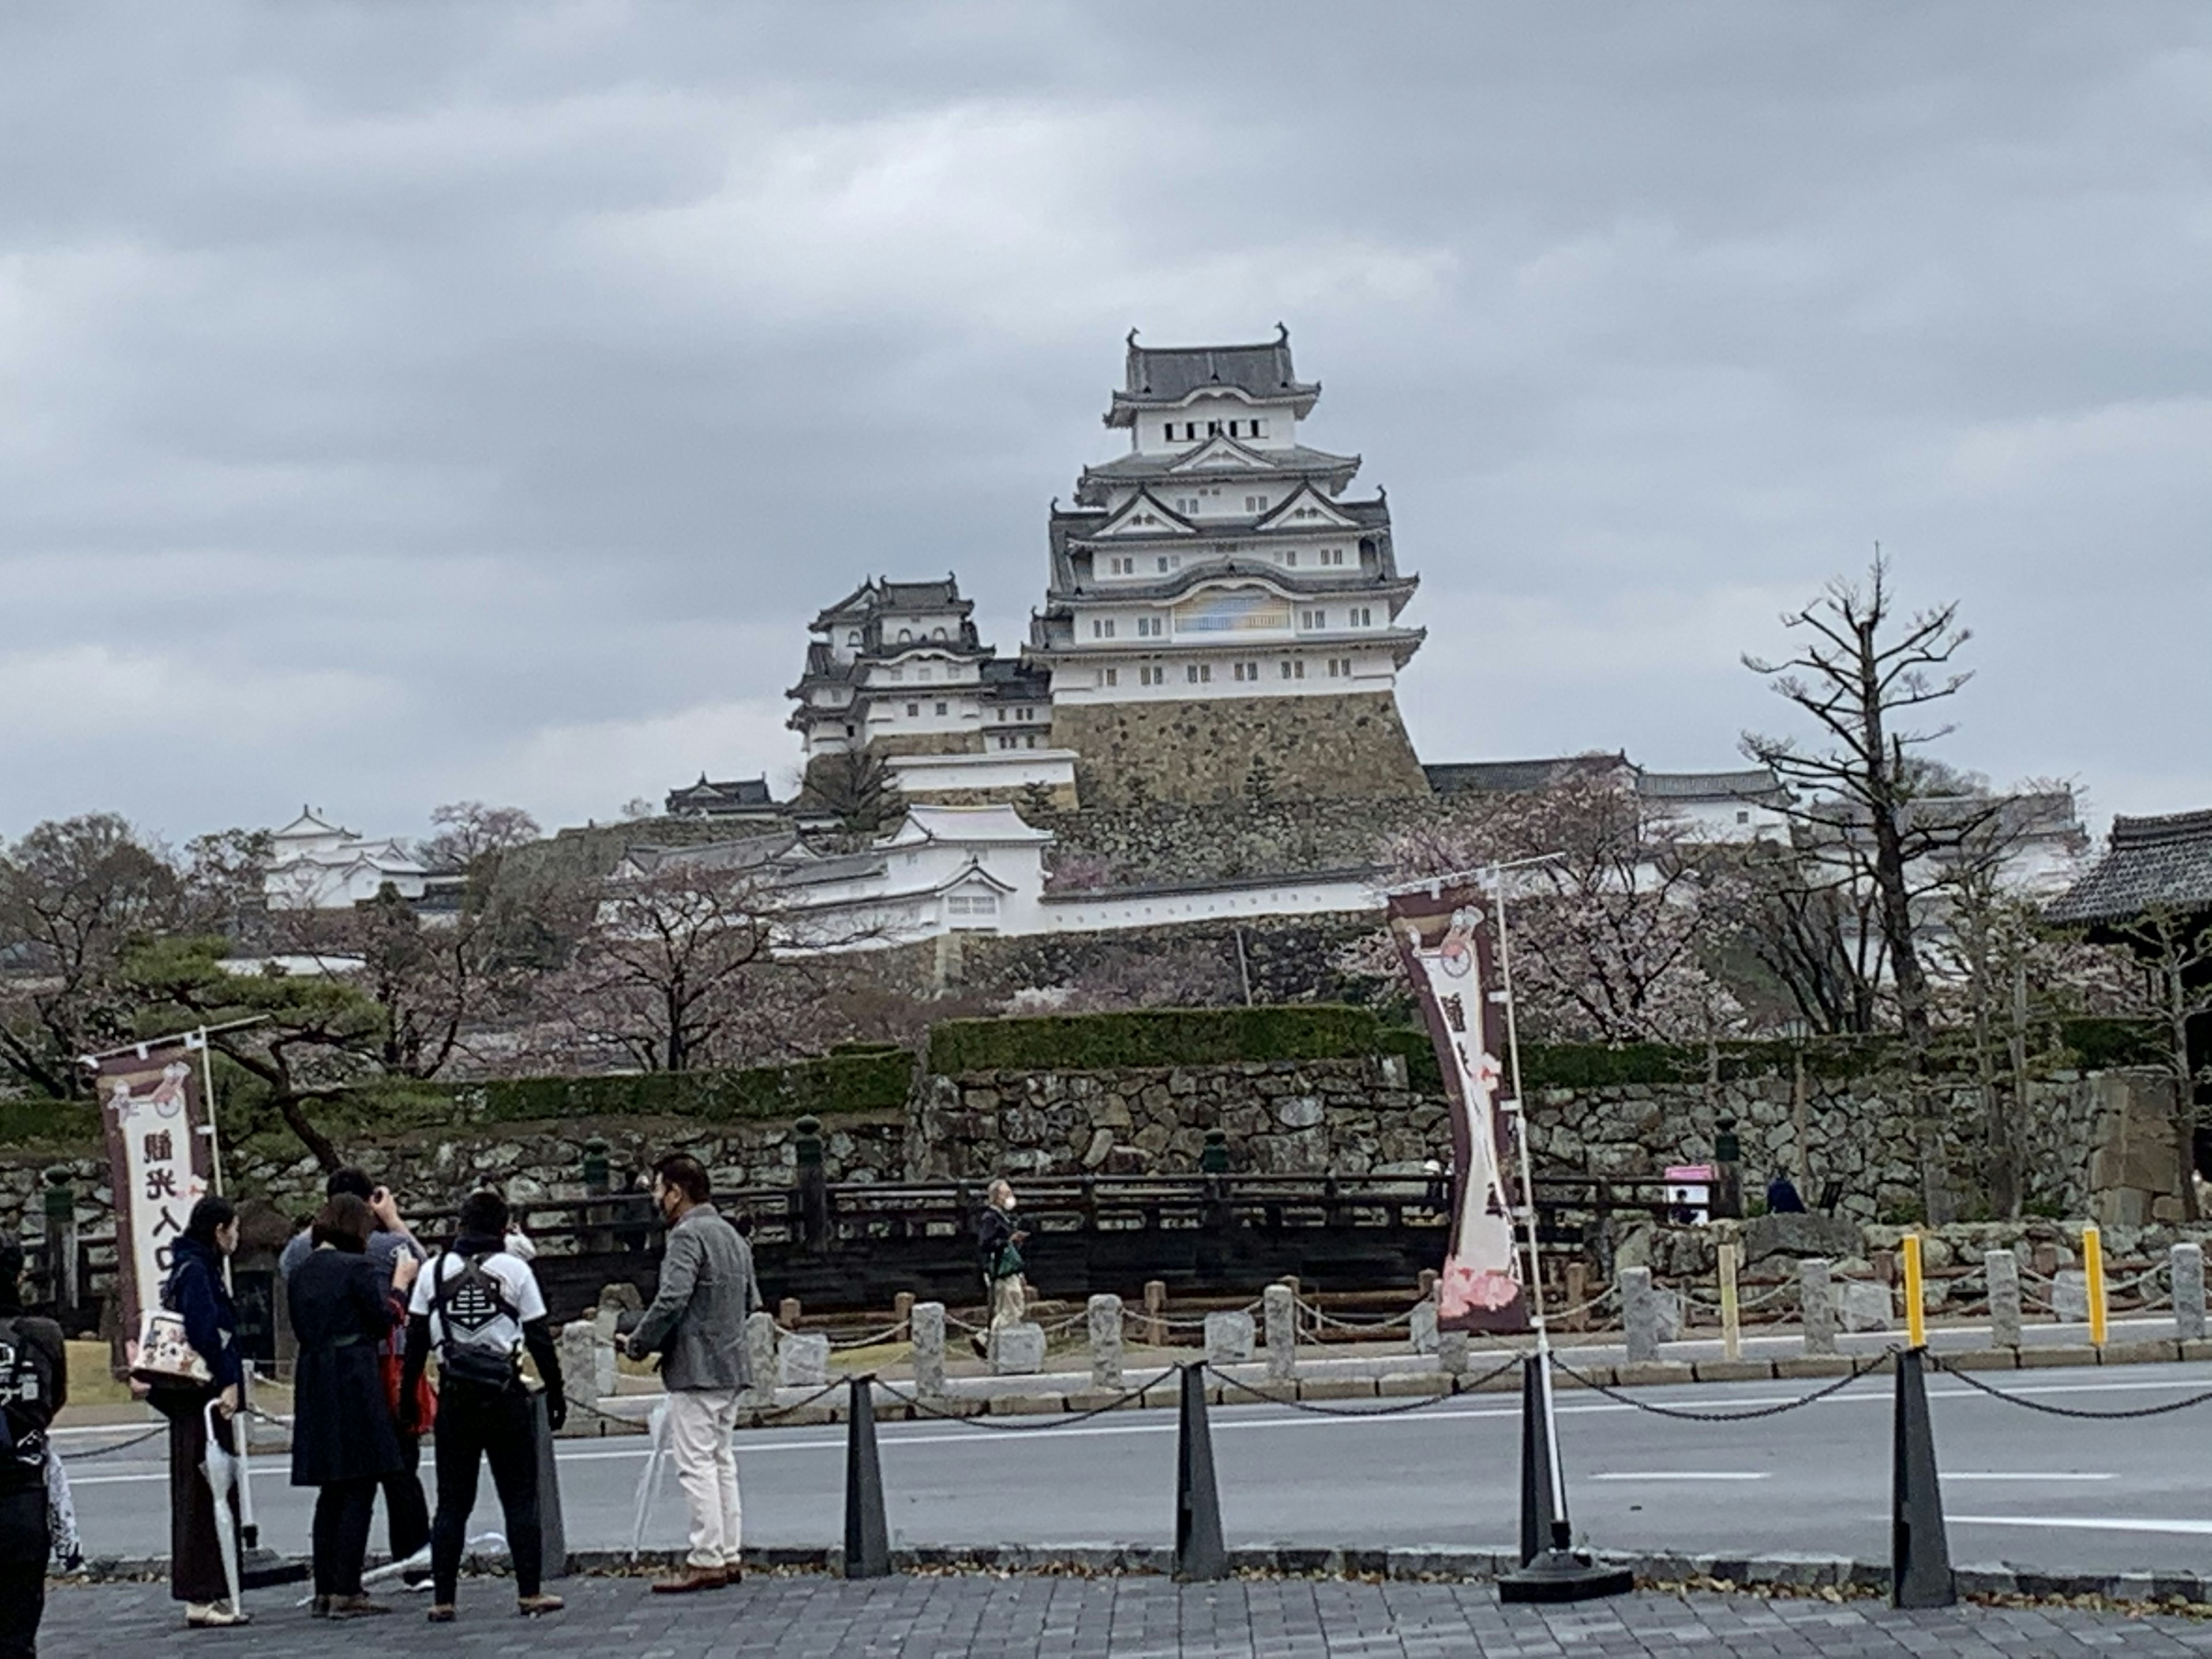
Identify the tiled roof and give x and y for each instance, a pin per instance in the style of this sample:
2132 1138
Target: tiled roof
1297 458
1517 777
1757 784
1157 375
2148 863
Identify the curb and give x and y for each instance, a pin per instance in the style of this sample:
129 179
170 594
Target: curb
1787 1573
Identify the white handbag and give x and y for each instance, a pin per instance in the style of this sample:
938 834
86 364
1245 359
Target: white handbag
166 1356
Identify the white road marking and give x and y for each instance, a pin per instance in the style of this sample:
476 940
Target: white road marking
1680 1475
1948 1476
2084 1523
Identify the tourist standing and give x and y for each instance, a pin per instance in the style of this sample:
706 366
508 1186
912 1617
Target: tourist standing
696 1324
480 1307
34 1386
999 1238
197 1292
344 1441
406 1511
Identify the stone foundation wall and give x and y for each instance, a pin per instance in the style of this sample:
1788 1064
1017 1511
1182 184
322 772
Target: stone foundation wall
2100 1144
1348 745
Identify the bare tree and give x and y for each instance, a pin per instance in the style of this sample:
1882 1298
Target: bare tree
1612 935
469 830
693 962
1862 674
75 896
857 787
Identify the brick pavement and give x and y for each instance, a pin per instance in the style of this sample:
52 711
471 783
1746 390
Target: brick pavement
972 1616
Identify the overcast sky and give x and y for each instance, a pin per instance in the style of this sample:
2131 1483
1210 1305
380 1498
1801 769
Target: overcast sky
407 403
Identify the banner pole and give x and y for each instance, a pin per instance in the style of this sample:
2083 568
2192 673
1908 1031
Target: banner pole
1536 1319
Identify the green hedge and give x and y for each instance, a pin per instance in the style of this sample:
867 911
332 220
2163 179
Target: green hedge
835 1085
1155 1036
65 1125
2099 1043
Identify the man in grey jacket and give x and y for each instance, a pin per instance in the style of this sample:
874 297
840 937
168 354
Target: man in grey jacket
696 1324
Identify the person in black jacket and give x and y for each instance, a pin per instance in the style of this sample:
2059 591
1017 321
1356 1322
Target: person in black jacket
34 1386
344 1441
196 1289
479 1306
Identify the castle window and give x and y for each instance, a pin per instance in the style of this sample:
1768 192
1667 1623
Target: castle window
1111 676
850 732
1339 668
940 711
1002 717
1291 557
1213 428
1151 676
1313 620
1123 566
1186 505
1362 617
1152 627
1332 556
1743 817
937 633
906 636
1201 673
913 709
1256 503
923 675
1102 628
1029 742
853 639
1247 670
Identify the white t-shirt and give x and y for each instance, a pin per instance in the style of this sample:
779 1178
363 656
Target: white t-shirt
482 1325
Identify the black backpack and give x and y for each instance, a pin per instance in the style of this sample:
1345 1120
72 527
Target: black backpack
22 1442
468 1301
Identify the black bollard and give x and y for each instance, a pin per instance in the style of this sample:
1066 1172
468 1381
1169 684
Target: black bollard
551 1526
867 1538
1536 1516
1200 1554
1919 1552
1552 1569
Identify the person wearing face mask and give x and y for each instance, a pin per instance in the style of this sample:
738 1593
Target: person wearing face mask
696 1324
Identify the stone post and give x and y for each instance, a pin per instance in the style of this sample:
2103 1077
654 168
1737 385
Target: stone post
1105 1323
929 1349
2186 1268
1727 1199
1421 1338
599 1183
2002 1270
813 1183
760 1355
578 1347
1816 1303
1451 1353
1640 1314
1278 1311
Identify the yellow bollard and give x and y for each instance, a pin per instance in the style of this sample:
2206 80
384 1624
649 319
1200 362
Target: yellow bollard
1731 1320
2092 1266
1916 1312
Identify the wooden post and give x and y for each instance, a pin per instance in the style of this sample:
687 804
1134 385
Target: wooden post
1577 1295
1731 1325
2092 1266
1916 1312
1156 1304
902 1311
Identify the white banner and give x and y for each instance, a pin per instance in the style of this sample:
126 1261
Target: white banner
158 1161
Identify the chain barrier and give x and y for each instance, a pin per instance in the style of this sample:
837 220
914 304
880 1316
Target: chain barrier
866 1340
1007 1425
1859 1368
120 1446
2132 1412
1460 1385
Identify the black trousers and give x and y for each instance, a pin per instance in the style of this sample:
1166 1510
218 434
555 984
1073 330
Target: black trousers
23 1548
342 1509
406 1511
22 1604
195 1557
477 1426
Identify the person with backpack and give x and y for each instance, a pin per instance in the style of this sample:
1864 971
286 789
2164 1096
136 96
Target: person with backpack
696 1324
480 1307
34 1386
998 1238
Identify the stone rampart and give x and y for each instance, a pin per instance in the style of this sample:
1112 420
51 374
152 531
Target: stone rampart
1328 746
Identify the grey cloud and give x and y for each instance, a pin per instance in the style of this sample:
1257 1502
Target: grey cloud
397 402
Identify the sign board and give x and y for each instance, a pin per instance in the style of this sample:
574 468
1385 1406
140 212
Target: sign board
159 1160
1447 942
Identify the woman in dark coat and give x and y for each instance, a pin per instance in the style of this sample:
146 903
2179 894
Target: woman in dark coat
344 1441
196 1289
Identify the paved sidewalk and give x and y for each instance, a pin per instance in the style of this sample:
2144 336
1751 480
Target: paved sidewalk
982 1617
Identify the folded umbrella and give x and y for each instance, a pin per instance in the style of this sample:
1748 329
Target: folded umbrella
221 1468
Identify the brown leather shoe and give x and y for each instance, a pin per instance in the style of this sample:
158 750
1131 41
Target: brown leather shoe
533 1607
686 1579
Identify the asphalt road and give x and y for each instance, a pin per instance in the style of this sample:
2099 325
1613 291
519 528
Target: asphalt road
2019 1486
